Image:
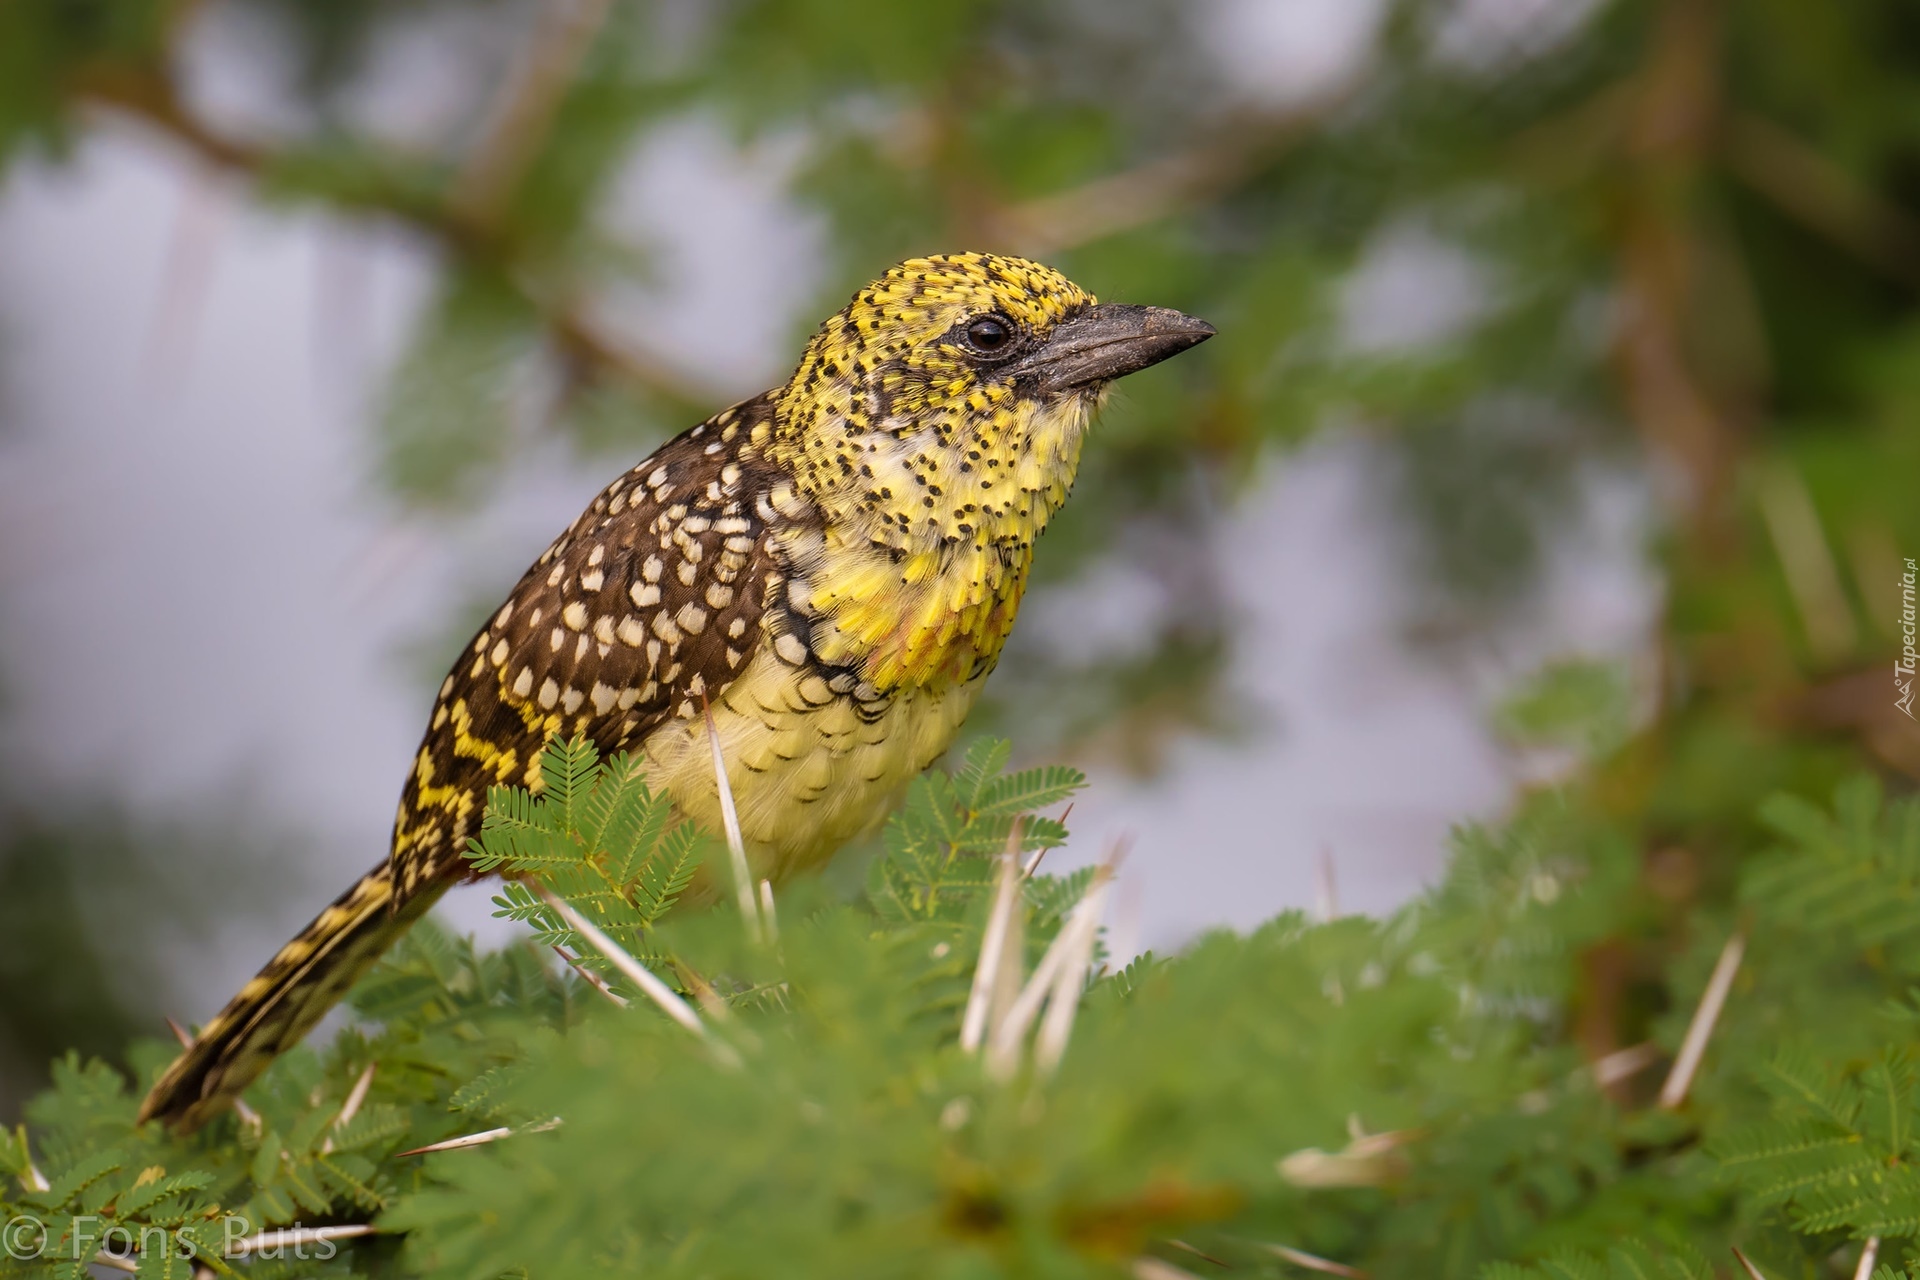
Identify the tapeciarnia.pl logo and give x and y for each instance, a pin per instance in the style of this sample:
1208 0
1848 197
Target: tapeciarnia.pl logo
1904 665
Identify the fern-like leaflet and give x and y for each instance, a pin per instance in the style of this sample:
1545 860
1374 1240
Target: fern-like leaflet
599 837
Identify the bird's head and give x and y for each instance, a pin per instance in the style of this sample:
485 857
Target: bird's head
949 398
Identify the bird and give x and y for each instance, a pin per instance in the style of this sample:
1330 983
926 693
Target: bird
829 569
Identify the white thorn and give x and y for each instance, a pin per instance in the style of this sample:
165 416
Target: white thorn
736 845
480 1139
357 1097
1327 890
295 1236
1747 1263
1003 1046
1680 1079
1368 1160
642 977
32 1179
1154 1269
986 974
1070 984
767 917
1313 1262
351 1108
1869 1256
1623 1064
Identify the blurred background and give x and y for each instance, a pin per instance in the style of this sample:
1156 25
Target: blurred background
1565 414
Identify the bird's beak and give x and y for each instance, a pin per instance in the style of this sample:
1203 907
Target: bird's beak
1105 342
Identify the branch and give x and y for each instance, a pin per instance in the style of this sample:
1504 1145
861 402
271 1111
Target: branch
523 120
1158 189
1823 197
152 99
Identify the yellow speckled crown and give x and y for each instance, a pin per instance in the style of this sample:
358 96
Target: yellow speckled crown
935 476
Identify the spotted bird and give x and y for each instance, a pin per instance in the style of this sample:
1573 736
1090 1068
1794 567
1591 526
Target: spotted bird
832 566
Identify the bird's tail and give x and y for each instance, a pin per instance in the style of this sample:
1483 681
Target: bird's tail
283 1001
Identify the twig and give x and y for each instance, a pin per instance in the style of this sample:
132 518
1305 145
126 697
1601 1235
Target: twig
736 846
1202 1254
973 1024
295 1236
1679 1080
1313 1262
1820 195
520 126
149 97
1747 1264
1813 578
1157 189
591 978
1869 1256
642 977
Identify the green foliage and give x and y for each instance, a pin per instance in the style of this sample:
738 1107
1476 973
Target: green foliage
446 1014
1855 874
598 837
941 843
1838 1151
1405 1096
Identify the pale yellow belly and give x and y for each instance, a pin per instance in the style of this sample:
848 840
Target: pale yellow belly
806 778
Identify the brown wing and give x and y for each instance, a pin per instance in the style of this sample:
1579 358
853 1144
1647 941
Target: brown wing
650 600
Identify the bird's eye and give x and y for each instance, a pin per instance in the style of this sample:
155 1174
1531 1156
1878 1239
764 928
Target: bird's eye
989 333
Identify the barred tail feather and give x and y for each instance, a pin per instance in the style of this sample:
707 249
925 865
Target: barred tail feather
281 1003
